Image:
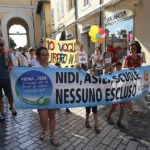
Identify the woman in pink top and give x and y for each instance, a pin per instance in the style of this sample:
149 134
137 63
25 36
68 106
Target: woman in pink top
132 61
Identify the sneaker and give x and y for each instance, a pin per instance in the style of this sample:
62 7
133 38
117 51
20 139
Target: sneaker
87 124
122 126
2 118
97 130
110 121
13 111
67 110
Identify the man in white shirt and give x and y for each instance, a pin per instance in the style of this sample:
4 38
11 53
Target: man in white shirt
24 57
33 60
82 56
14 57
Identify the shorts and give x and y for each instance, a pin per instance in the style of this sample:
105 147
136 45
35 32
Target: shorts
115 105
6 86
88 109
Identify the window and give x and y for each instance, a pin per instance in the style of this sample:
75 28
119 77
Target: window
58 11
52 15
70 4
119 34
62 8
19 34
86 2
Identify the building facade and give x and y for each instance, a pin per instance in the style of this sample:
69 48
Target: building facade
123 20
126 21
20 12
72 19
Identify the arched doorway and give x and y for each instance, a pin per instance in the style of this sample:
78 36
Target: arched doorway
19 19
19 32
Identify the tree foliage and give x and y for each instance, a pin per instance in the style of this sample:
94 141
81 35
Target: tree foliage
12 43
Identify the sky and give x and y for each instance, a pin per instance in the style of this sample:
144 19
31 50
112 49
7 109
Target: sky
20 40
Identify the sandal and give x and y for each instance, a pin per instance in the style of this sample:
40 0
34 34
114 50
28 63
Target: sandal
122 126
110 121
54 141
42 135
87 124
133 114
97 130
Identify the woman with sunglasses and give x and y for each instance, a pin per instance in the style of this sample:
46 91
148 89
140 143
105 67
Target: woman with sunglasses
47 116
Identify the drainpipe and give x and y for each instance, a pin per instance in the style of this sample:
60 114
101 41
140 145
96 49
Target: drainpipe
33 24
76 17
100 20
100 15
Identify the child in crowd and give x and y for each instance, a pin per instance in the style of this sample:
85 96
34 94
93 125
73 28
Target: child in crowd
94 110
118 66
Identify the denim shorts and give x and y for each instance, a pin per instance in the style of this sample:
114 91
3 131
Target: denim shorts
94 109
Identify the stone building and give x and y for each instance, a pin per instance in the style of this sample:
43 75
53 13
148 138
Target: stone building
123 20
25 13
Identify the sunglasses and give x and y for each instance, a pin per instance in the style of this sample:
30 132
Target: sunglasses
44 54
1 45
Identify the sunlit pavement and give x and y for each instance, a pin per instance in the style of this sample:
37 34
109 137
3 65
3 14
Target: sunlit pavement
22 132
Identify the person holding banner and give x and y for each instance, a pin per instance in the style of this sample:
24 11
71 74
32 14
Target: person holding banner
117 67
47 116
106 60
5 68
132 61
95 60
93 108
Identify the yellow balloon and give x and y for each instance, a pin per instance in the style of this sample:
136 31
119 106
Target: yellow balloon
95 29
91 33
92 26
93 39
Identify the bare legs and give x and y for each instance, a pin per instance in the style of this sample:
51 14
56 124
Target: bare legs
47 117
1 106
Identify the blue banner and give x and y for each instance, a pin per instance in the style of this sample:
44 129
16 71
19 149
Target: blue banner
40 88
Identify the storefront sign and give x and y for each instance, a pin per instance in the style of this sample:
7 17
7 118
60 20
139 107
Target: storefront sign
119 15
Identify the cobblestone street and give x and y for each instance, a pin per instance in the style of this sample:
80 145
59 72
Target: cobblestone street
22 132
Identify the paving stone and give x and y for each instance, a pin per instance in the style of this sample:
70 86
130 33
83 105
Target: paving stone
114 144
80 146
132 145
26 144
71 148
113 132
142 148
121 147
65 144
107 140
77 142
101 147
